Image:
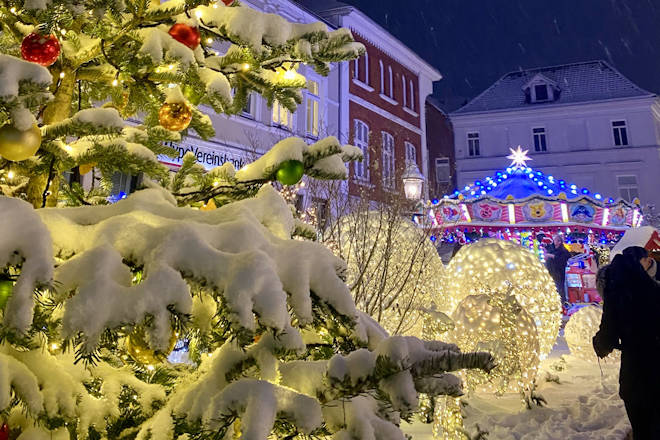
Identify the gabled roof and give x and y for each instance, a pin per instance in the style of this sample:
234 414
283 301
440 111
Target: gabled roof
336 12
580 82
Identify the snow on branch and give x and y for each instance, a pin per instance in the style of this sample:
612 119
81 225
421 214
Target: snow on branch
23 87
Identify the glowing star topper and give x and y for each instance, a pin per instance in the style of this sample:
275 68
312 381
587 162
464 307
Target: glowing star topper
519 157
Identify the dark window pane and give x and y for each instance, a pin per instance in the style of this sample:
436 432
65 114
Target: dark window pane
541 92
624 136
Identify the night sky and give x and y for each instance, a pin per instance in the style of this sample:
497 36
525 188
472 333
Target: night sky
474 42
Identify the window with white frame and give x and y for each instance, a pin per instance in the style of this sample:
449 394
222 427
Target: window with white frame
388 160
361 140
313 99
540 141
473 144
620 133
248 108
442 170
411 153
382 76
404 88
628 189
391 93
281 116
412 95
361 69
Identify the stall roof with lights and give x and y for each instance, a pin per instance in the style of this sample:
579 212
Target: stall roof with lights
522 199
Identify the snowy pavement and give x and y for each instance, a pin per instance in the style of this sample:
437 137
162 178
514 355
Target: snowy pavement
580 407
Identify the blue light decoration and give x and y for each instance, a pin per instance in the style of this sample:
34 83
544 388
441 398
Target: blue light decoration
435 201
114 198
433 238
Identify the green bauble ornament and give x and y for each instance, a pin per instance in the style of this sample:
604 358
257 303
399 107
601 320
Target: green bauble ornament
290 172
17 145
6 289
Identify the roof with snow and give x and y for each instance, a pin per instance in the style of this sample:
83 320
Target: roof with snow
574 83
645 236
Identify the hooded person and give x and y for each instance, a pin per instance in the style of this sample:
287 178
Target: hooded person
630 323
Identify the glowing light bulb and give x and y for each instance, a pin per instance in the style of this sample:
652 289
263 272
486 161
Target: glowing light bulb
10 175
245 67
198 14
62 74
115 82
290 75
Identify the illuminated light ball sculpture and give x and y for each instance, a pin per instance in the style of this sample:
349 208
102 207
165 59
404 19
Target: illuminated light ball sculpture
492 265
580 331
497 323
398 293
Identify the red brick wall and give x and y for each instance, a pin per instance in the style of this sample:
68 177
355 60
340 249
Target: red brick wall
440 143
378 123
375 55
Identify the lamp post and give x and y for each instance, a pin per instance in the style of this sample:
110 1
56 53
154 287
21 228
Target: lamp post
413 181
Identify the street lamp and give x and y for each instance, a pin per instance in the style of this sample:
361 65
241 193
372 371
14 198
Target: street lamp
413 181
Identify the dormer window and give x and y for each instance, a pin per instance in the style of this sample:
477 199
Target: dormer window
541 89
541 92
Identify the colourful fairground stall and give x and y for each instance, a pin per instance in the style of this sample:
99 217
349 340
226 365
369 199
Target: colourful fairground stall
530 207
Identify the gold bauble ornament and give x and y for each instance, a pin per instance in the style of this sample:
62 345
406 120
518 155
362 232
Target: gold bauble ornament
210 206
86 168
17 145
138 348
175 116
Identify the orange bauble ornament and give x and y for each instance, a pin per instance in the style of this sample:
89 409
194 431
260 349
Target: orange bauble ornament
175 116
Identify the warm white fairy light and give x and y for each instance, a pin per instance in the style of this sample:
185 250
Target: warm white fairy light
491 265
497 323
580 331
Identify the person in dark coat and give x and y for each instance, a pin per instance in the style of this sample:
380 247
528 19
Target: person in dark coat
631 323
556 258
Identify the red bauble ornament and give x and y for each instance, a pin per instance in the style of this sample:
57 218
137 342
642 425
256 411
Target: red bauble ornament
186 35
227 2
4 431
40 49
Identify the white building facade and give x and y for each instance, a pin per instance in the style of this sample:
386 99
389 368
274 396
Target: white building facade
585 123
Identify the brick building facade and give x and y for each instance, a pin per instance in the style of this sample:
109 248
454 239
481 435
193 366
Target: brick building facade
382 106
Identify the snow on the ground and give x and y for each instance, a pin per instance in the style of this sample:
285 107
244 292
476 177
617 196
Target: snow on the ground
581 407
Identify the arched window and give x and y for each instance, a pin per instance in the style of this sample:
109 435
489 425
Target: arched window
382 77
411 153
389 68
412 95
361 140
404 88
388 160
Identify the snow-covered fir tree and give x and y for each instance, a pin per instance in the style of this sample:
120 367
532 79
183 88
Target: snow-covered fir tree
93 299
